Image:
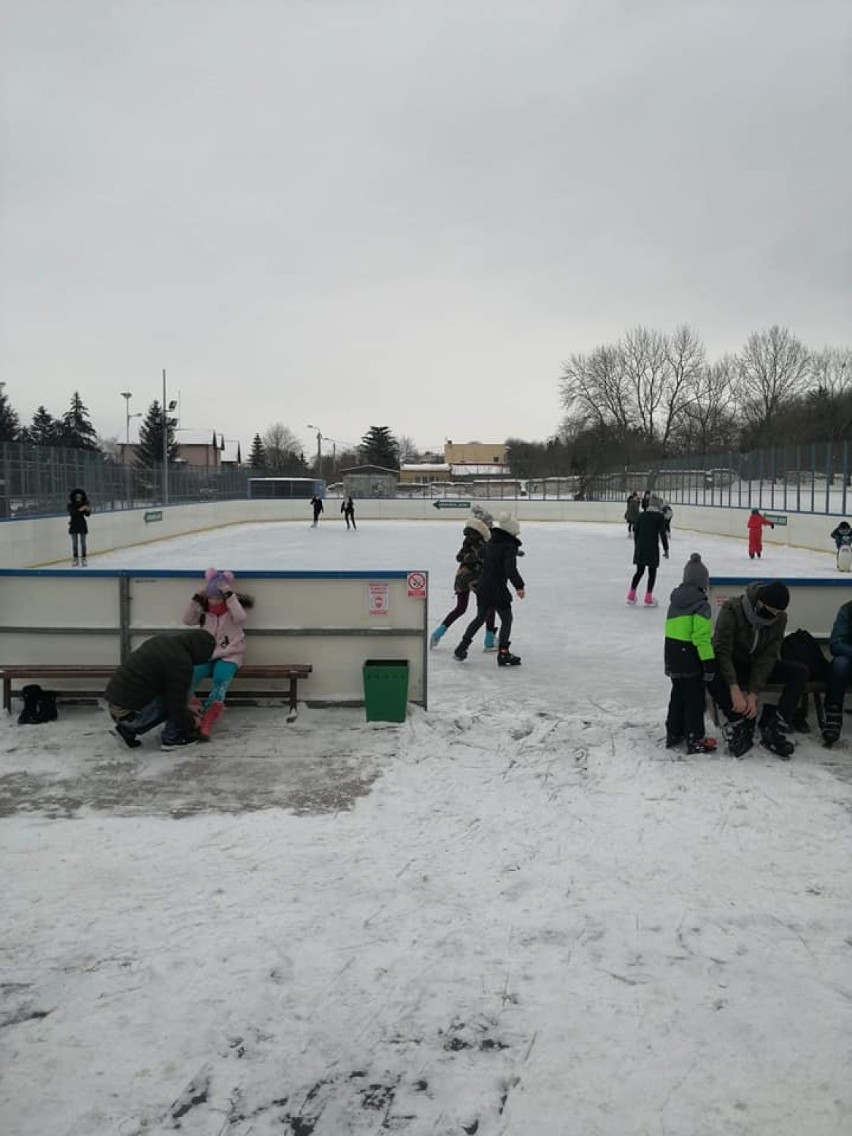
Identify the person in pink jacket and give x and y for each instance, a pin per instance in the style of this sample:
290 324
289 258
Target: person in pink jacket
218 609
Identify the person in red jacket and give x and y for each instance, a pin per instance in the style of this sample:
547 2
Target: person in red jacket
755 533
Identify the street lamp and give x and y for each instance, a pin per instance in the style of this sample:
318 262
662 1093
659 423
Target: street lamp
319 448
127 395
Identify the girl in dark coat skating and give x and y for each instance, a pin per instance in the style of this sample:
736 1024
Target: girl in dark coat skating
649 534
499 569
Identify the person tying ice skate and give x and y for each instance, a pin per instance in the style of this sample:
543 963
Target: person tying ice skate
747 642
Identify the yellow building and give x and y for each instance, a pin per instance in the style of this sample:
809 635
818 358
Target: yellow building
475 453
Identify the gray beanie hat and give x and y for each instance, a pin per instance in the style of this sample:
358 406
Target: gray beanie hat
695 572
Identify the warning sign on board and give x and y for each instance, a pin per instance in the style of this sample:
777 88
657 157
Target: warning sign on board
417 585
378 599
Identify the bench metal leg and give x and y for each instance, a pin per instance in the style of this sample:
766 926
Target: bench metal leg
293 712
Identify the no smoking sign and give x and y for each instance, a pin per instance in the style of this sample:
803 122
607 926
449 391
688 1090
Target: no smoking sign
417 585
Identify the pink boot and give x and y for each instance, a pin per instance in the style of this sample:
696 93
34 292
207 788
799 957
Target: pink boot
649 600
631 596
208 719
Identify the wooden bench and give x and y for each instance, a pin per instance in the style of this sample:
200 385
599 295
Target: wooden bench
814 690
55 672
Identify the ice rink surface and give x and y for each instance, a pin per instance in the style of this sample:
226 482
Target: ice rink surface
515 913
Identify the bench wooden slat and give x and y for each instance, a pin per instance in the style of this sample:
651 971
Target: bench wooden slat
8 671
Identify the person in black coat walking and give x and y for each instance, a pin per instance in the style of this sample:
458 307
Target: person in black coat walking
78 509
499 569
153 685
649 534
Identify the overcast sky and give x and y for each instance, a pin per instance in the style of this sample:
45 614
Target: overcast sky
406 213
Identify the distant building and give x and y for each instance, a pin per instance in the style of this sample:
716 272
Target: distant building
423 473
482 456
198 449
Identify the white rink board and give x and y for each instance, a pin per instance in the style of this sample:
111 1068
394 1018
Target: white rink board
325 619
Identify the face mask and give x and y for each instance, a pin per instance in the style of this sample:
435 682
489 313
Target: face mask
763 611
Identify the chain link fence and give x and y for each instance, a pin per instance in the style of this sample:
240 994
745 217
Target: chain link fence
36 481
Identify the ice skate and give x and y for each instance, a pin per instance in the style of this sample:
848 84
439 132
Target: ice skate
740 736
505 658
490 641
436 636
649 601
631 597
460 652
833 724
772 736
208 719
700 745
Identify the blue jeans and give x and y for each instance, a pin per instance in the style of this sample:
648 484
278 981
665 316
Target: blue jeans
150 716
221 671
838 679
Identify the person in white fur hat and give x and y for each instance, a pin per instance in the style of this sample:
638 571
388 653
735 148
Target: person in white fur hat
499 569
469 559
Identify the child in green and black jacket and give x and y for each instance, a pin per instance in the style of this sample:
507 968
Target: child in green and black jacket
689 658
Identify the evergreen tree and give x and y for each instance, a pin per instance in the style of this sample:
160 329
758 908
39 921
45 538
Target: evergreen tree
257 457
77 431
44 430
379 447
9 425
149 452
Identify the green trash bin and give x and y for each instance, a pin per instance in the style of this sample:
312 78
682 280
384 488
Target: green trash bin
386 689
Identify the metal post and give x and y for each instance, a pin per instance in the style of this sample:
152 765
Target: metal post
165 443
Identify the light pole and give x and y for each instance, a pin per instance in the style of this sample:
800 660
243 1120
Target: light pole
127 395
319 448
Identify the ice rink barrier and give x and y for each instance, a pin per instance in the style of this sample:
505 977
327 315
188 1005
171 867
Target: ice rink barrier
333 620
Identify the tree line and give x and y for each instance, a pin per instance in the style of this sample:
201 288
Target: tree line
647 396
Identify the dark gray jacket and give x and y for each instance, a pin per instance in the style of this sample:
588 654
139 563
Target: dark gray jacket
161 668
744 646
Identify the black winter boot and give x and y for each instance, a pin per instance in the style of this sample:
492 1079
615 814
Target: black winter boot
29 715
47 711
740 736
833 723
460 652
505 658
773 737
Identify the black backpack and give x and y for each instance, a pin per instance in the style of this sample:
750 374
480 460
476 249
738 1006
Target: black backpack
801 647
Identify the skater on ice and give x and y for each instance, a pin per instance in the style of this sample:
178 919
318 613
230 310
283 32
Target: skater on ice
689 658
499 569
78 509
747 641
631 513
842 537
755 524
667 517
317 506
152 685
348 511
217 608
649 534
469 558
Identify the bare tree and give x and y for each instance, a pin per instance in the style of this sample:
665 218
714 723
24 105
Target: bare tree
646 364
282 449
772 371
831 370
708 418
408 451
686 363
594 390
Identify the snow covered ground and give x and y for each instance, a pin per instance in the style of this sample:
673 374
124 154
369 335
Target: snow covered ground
516 913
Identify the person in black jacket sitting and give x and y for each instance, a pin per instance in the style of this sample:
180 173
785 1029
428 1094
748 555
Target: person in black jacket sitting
153 685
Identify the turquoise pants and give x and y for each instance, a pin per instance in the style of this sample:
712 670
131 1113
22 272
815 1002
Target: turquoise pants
221 671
